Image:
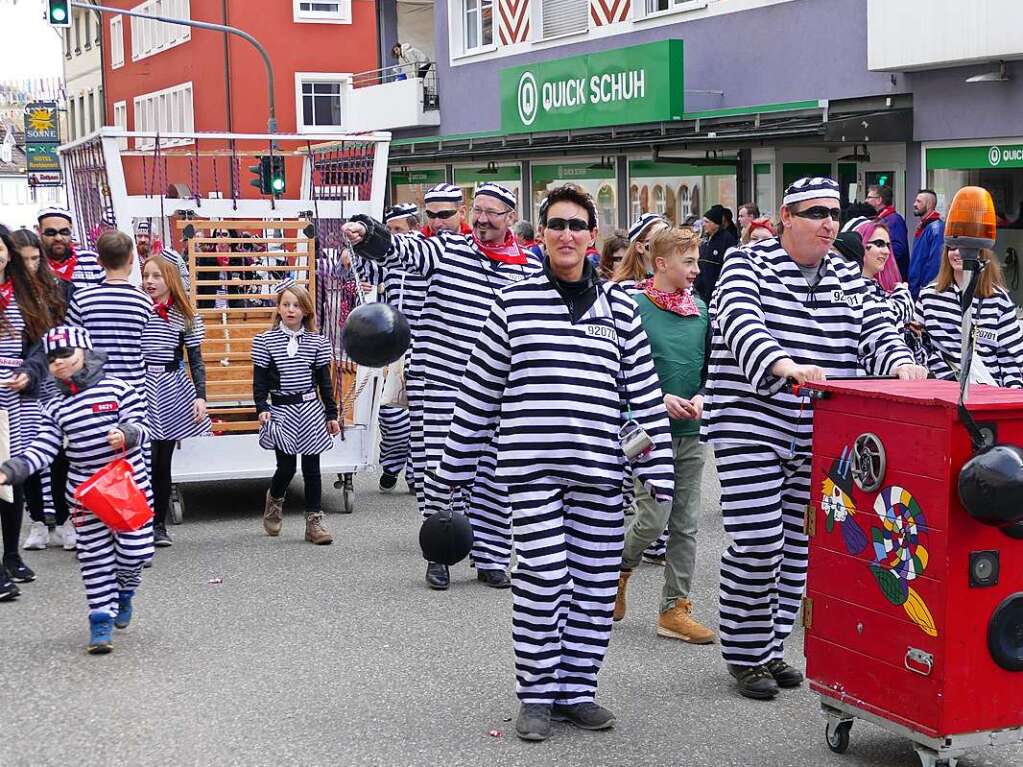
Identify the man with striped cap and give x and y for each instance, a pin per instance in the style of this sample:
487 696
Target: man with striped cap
463 274
77 266
402 218
445 210
786 311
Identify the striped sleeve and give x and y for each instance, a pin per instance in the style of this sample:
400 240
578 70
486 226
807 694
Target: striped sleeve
901 303
74 311
881 347
368 271
478 407
656 470
47 443
419 255
132 412
195 335
740 320
260 355
1010 343
932 313
323 355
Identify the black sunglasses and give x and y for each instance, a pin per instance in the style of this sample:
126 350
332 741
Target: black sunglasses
561 224
879 243
60 354
445 214
49 232
819 213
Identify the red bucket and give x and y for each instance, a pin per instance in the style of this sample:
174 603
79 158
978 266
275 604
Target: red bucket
112 495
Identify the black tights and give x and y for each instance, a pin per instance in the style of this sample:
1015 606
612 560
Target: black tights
310 478
162 455
58 487
10 521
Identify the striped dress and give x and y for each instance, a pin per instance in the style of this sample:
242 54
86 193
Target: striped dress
170 393
764 310
997 330
115 314
299 428
23 413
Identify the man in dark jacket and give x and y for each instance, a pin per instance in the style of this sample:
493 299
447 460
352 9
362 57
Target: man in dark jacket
881 200
712 250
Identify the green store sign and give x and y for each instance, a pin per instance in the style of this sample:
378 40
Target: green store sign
637 84
975 157
427 176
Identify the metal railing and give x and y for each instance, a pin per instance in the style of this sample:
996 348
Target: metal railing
427 72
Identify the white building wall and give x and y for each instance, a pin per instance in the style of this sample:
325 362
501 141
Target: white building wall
83 75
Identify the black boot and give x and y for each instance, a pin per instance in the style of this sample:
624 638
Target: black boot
785 675
754 681
437 576
17 569
8 589
496 579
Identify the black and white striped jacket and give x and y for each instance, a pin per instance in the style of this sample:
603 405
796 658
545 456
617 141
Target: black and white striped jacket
763 311
556 393
996 328
115 314
461 286
87 269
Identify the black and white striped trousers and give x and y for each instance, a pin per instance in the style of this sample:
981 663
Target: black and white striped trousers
110 562
485 501
763 571
395 432
568 548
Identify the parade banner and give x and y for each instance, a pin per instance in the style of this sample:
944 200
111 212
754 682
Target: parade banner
637 84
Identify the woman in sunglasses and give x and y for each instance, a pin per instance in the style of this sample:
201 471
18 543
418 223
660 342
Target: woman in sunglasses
998 350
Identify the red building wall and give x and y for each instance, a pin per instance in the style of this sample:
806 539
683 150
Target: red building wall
292 47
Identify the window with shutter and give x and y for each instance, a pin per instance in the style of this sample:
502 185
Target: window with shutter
563 17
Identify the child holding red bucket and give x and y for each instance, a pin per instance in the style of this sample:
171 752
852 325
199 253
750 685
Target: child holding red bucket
102 419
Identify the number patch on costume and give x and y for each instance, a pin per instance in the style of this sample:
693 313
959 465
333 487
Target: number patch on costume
841 297
601 331
104 407
985 335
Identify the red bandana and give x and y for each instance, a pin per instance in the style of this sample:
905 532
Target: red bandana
163 308
680 302
508 252
6 293
429 232
932 216
886 211
64 269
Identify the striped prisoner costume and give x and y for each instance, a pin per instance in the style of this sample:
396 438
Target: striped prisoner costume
551 395
763 311
996 328
115 314
109 561
462 284
87 270
170 393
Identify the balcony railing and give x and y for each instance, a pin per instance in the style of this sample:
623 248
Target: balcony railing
427 72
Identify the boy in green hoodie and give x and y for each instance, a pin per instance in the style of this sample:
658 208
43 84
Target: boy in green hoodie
676 322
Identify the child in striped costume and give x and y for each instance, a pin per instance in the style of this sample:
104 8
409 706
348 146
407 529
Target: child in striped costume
560 364
176 403
785 310
998 353
101 418
290 364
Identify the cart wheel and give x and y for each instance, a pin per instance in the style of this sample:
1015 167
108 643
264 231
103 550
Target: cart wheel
340 482
838 736
177 505
347 500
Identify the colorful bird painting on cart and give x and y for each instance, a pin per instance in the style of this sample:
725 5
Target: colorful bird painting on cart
897 544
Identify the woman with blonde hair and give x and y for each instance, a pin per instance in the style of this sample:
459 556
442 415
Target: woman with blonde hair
998 339
635 266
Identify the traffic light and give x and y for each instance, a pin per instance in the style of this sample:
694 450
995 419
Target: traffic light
58 12
269 175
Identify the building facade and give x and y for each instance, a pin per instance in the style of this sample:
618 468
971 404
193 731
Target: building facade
83 109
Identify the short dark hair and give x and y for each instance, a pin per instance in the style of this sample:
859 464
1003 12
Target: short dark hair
524 229
114 249
884 192
569 193
751 209
931 192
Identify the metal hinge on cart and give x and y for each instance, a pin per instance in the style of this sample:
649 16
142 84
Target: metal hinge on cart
807 612
810 521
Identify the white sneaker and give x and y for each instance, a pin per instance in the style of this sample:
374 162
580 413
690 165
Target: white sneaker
57 536
38 537
70 535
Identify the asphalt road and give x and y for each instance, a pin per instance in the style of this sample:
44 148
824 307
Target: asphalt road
339 655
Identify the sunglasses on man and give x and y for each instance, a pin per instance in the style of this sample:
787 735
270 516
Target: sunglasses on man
51 232
444 214
819 213
572 224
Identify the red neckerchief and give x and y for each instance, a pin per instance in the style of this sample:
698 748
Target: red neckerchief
887 211
64 269
163 308
72 387
463 228
508 252
6 293
932 216
680 302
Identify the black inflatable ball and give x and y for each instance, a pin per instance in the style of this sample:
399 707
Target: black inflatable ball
446 537
375 335
991 486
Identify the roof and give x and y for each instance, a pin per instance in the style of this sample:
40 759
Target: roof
17 165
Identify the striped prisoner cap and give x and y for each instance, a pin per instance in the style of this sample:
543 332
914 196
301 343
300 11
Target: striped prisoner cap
286 284
142 227
401 210
444 193
498 192
55 210
642 223
852 223
811 189
66 337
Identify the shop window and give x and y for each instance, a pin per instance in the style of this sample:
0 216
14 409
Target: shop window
634 209
658 201
606 206
596 180
564 17
644 199
478 19
670 210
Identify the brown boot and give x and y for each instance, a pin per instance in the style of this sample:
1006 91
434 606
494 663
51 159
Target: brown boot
315 532
623 582
273 515
678 623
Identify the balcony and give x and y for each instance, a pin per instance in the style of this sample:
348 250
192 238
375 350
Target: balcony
399 96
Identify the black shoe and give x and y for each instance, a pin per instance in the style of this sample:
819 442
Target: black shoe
437 576
585 716
17 569
388 481
534 722
8 588
161 538
754 681
496 579
785 675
